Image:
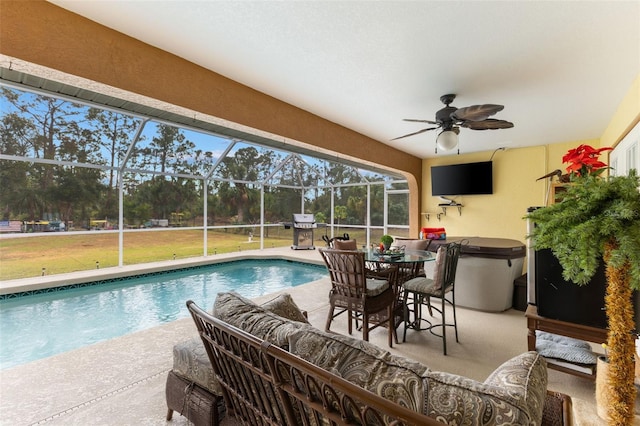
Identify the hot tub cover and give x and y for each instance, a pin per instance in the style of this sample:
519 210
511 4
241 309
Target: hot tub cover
490 248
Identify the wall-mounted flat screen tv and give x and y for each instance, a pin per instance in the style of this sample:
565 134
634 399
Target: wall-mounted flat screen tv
462 179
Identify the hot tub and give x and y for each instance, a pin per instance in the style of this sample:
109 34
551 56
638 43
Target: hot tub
486 271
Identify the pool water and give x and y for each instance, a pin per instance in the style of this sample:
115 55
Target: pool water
40 325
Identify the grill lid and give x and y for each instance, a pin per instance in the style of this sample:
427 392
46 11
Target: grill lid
303 218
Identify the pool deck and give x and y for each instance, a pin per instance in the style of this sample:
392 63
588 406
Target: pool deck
121 381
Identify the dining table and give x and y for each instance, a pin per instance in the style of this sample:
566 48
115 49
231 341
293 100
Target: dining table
410 264
400 256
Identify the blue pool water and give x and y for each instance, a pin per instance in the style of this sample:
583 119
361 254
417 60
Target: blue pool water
40 325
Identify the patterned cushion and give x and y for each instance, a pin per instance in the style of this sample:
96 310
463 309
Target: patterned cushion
551 349
376 286
459 400
190 361
513 394
420 285
563 340
284 306
395 378
551 345
254 319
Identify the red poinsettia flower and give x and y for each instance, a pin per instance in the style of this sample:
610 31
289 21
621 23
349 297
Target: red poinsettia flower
583 160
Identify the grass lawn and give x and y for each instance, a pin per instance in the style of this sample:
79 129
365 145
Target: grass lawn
58 253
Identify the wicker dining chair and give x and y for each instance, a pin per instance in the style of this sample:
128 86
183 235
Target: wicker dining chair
355 291
330 241
341 244
441 286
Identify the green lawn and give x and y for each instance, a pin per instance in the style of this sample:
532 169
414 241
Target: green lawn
59 253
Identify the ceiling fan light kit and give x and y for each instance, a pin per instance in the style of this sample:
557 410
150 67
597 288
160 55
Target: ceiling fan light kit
450 119
447 140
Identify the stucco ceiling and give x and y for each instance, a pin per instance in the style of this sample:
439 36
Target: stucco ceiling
559 68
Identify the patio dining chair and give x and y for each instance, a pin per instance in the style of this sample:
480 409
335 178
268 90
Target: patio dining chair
355 291
331 241
441 286
342 244
410 270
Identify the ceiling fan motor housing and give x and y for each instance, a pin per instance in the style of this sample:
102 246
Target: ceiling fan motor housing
444 116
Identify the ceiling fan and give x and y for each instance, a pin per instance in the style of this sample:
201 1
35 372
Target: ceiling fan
450 119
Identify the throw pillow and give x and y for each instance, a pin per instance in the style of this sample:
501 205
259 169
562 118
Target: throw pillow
441 258
284 306
345 245
523 379
254 319
412 244
514 394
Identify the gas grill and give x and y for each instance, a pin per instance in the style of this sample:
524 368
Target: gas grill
303 226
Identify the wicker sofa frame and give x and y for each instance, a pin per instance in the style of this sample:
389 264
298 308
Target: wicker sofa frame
263 384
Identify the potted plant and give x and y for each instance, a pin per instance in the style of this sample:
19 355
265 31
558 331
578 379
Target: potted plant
599 218
386 241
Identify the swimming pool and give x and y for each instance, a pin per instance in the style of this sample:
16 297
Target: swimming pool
39 325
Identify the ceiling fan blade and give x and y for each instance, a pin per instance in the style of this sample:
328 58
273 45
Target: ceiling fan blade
414 133
419 121
476 112
488 124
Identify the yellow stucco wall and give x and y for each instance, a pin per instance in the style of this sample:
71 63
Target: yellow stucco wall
515 187
627 115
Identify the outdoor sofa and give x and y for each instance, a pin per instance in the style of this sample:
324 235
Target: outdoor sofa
272 367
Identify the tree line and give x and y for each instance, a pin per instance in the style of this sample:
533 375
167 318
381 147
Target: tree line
66 164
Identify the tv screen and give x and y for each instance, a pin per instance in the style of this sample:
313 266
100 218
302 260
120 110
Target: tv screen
462 179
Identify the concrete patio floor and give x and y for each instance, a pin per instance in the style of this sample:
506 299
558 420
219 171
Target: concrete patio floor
121 381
